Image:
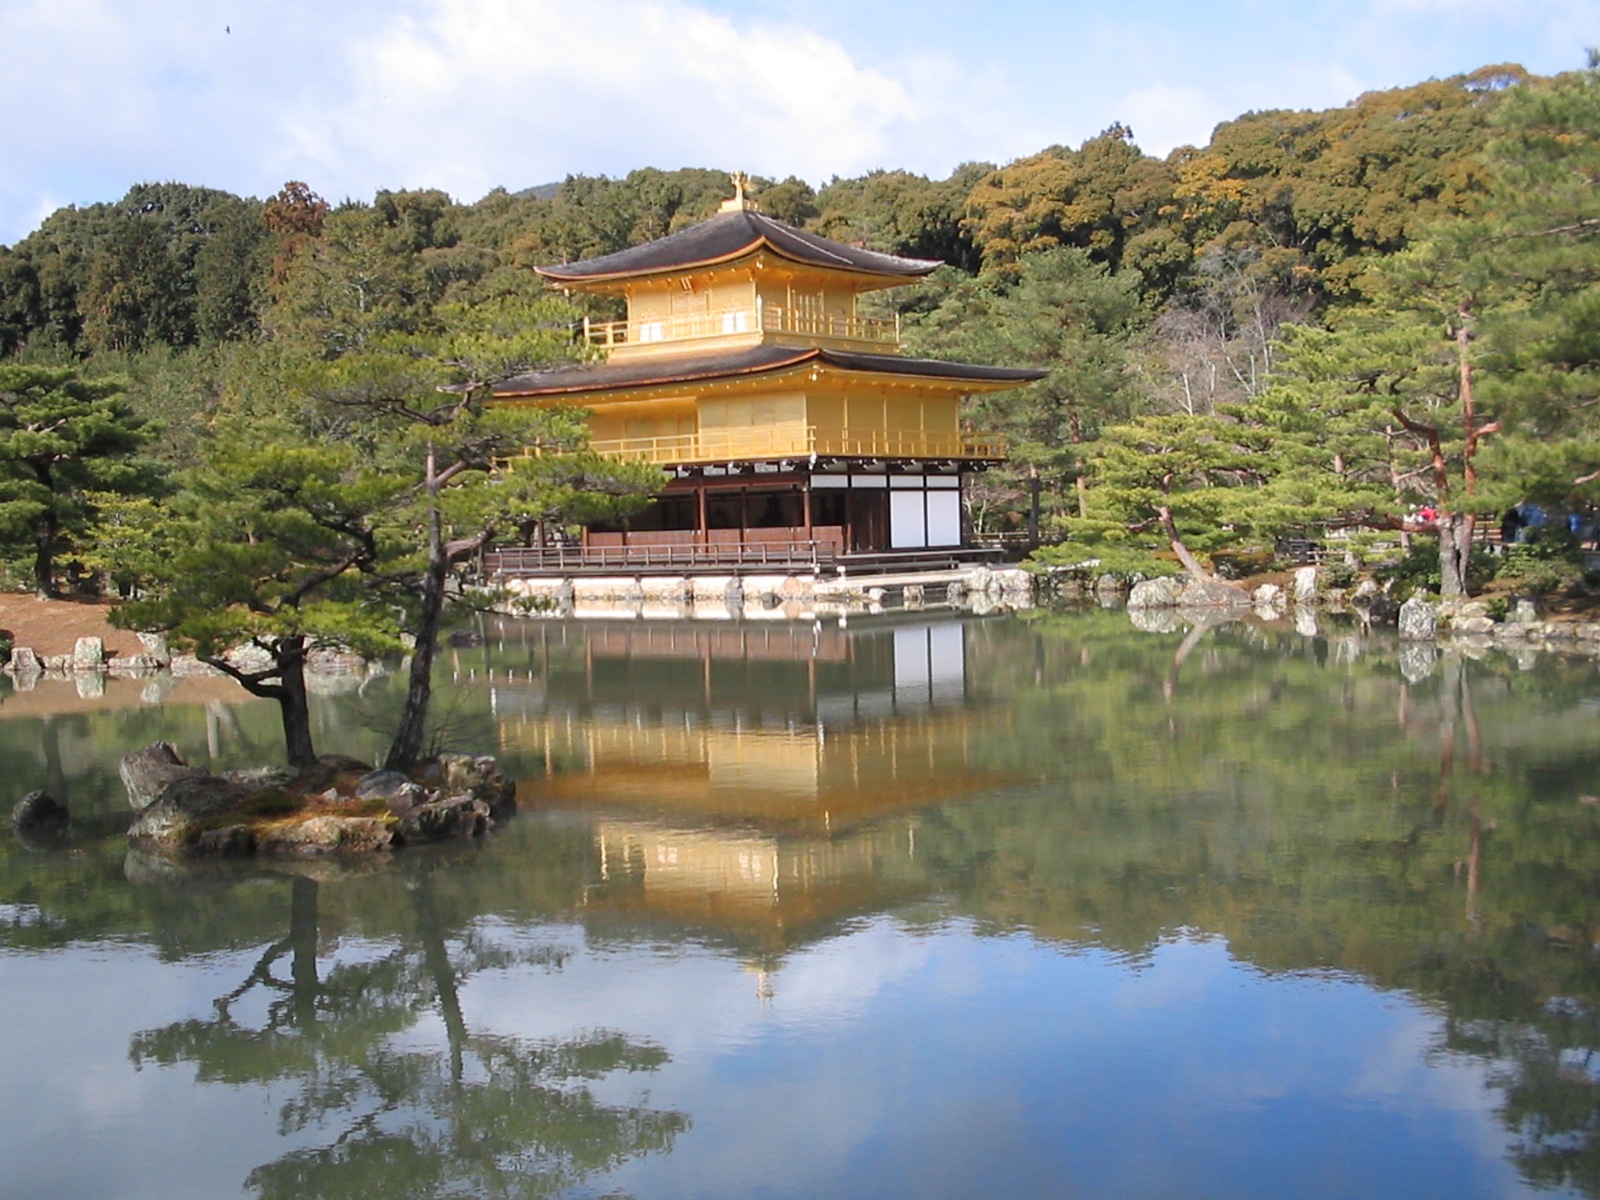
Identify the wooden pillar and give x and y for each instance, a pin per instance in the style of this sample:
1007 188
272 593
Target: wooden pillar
805 506
700 505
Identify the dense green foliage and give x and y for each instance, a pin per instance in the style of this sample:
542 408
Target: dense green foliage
64 441
1380 305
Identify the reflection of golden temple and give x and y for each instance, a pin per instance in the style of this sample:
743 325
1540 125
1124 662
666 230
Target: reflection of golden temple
747 880
810 780
773 780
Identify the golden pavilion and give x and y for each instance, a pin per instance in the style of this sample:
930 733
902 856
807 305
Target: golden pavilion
791 428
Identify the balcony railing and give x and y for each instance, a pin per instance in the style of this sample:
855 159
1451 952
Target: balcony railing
763 318
734 445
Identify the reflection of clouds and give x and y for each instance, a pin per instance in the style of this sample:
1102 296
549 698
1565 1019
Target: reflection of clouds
888 1062
76 1117
689 998
940 1062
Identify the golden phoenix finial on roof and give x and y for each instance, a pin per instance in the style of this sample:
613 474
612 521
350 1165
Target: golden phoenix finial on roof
742 199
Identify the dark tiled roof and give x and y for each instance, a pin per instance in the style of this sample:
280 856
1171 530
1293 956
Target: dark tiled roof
756 360
727 236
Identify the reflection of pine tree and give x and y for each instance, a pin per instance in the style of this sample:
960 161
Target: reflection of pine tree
483 1115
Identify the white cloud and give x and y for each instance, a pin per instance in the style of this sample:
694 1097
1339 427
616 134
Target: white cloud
459 94
473 93
1164 117
470 94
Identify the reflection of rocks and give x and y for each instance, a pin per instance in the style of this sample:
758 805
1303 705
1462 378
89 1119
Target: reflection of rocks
91 685
1345 650
134 664
1305 622
1418 660
1155 620
39 811
149 867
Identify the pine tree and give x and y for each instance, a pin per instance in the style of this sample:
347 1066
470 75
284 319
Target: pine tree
62 438
276 543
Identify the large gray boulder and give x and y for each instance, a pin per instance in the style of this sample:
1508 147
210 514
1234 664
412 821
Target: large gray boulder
1155 593
326 835
1212 593
178 815
1305 584
89 654
1418 621
259 779
147 772
24 662
480 778
1268 595
458 816
396 790
155 647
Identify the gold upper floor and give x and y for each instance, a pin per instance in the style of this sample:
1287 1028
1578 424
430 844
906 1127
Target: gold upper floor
760 301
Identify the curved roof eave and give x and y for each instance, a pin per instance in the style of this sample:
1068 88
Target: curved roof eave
726 238
759 360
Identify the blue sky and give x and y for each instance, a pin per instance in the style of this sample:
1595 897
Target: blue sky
354 95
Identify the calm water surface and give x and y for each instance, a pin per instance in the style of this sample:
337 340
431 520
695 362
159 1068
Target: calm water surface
915 907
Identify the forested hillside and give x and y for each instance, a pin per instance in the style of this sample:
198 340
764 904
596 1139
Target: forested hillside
1318 316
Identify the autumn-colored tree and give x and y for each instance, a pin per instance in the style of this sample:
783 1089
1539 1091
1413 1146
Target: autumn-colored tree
1106 197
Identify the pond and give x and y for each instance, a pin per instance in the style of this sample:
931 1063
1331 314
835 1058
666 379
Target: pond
911 906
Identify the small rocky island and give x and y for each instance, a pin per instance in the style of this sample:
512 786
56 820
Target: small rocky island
338 806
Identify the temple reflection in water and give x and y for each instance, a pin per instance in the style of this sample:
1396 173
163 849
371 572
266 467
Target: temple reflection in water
757 780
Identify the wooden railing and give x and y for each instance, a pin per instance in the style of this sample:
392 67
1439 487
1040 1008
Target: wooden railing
788 555
763 318
732 445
